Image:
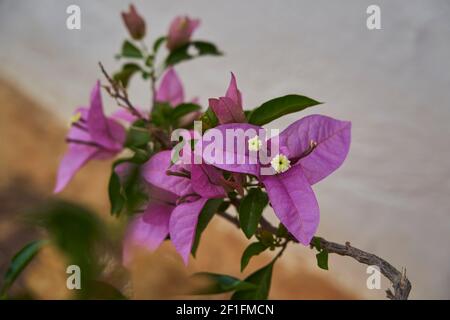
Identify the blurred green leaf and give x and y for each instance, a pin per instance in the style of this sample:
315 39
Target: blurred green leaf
116 197
162 115
250 210
149 61
125 74
206 48
220 283
209 119
157 44
278 107
205 217
182 53
252 250
129 50
261 279
104 291
184 109
18 263
137 135
77 232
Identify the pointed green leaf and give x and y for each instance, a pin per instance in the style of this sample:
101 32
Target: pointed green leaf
129 50
125 74
182 53
252 250
157 44
262 278
184 109
278 107
18 263
206 48
251 209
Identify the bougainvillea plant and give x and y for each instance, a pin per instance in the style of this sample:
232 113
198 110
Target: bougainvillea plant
178 164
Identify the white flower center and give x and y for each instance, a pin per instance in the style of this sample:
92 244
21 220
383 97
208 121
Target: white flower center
280 163
254 144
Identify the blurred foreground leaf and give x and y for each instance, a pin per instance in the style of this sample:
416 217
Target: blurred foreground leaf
220 283
18 263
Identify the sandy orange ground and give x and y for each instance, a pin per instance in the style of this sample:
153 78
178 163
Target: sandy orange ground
32 142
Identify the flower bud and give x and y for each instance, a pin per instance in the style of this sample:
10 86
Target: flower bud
180 31
134 23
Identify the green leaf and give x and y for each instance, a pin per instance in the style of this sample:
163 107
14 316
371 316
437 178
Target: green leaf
125 74
157 44
18 263
262 279
182 53
149 61
250 210
322 259
129 50
162 115
178 55
209 119
184 109
252 250
116 198
205 217
220 283
138 135
206 48
77 232
278 107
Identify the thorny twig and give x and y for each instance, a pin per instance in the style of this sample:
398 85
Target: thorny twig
400 283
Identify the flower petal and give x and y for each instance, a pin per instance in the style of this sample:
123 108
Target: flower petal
236 157
125 115
148 229
333 142
154 172
233 92
170 89
97 121
294 203
183 223
205 181
226 110
76 156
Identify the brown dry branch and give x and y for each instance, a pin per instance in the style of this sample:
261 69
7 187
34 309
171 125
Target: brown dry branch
400 282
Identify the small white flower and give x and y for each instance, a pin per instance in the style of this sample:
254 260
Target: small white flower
280 163
254 144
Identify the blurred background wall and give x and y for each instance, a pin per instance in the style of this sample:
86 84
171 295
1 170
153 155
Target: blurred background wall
391 197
